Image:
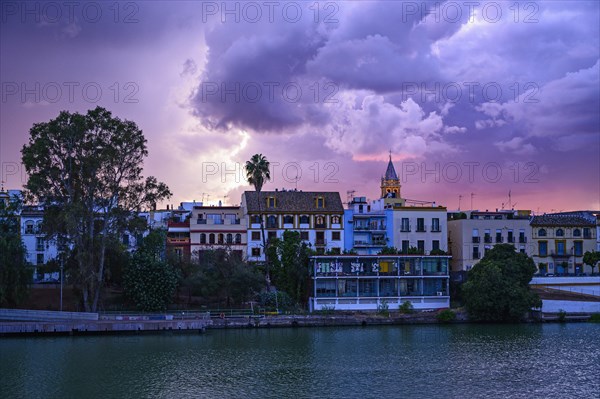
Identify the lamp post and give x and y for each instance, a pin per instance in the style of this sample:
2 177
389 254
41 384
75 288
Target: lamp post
61 282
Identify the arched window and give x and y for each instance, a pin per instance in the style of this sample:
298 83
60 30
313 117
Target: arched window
29 227
238 238
211 238
202 238
304 219
220 238
542 233
576 233
320 220
38 227
288 219
560 233
271 221
229 238
335 219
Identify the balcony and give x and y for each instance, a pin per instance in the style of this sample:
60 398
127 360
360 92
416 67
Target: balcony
476 240
178 240
436 229
232 221
201 221
320 242
510 239
420 229
522 240
499 239
405 229
561 254
487 239
476 255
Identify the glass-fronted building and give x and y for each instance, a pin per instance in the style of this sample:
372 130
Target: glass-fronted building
366 282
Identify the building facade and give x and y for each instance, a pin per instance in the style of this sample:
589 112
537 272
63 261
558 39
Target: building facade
560 241
218 227
354 282
317 216
472 233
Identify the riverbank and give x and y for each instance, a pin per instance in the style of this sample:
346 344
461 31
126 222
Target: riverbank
145 324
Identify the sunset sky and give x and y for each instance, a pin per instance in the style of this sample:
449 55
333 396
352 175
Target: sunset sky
483 99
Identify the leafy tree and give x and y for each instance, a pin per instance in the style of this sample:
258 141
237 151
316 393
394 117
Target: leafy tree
148 279
257 173
591 258
15 275
87 172
437 252
224 275
291 265
388 251
498 286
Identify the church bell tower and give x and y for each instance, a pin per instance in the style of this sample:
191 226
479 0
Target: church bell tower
390 184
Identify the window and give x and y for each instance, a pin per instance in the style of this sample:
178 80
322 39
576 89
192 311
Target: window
216 219
435 225
229 238
587 233
271 235
476 254
255 251
211 238
40 259
202 238
39 244
487 236
220 238
320 202
238 238
560 233
271 202
576 233
304 219
320 221
498 235
38 227
421 246
231 218
335 220
335 236
304 235
560 247
522 238
288 219
542 233
435 245
475 235
29 227
420 224
578 248
255 235
255 219
271 222
405 227
405 245
543 248
511 237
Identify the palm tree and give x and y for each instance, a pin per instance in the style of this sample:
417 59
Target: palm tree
257 173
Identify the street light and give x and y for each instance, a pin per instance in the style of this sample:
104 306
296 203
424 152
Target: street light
61 282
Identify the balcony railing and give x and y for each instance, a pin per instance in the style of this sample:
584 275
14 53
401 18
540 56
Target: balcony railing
487 239
320 241
436 229
522 240
499 239
405 229
476 255
420 229
511 239
476 240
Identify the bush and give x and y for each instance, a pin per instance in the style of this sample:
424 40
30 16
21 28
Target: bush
383 308
279 300
595 318
406 308
562 315
446 316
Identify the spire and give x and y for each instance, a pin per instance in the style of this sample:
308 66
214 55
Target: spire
390 173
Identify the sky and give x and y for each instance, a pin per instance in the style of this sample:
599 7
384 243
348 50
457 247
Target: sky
473 99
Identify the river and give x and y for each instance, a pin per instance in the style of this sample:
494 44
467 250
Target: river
424 361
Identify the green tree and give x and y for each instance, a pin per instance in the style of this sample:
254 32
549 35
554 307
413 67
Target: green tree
257 173
291 266
497 288
149 281
15 275
224 275
87 171
591 258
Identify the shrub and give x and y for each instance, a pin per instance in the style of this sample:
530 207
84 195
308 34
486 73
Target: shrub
562 315
383 308
446 316
406 307
595 318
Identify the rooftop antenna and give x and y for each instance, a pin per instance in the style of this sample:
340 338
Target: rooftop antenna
350 195
472 196
459 199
